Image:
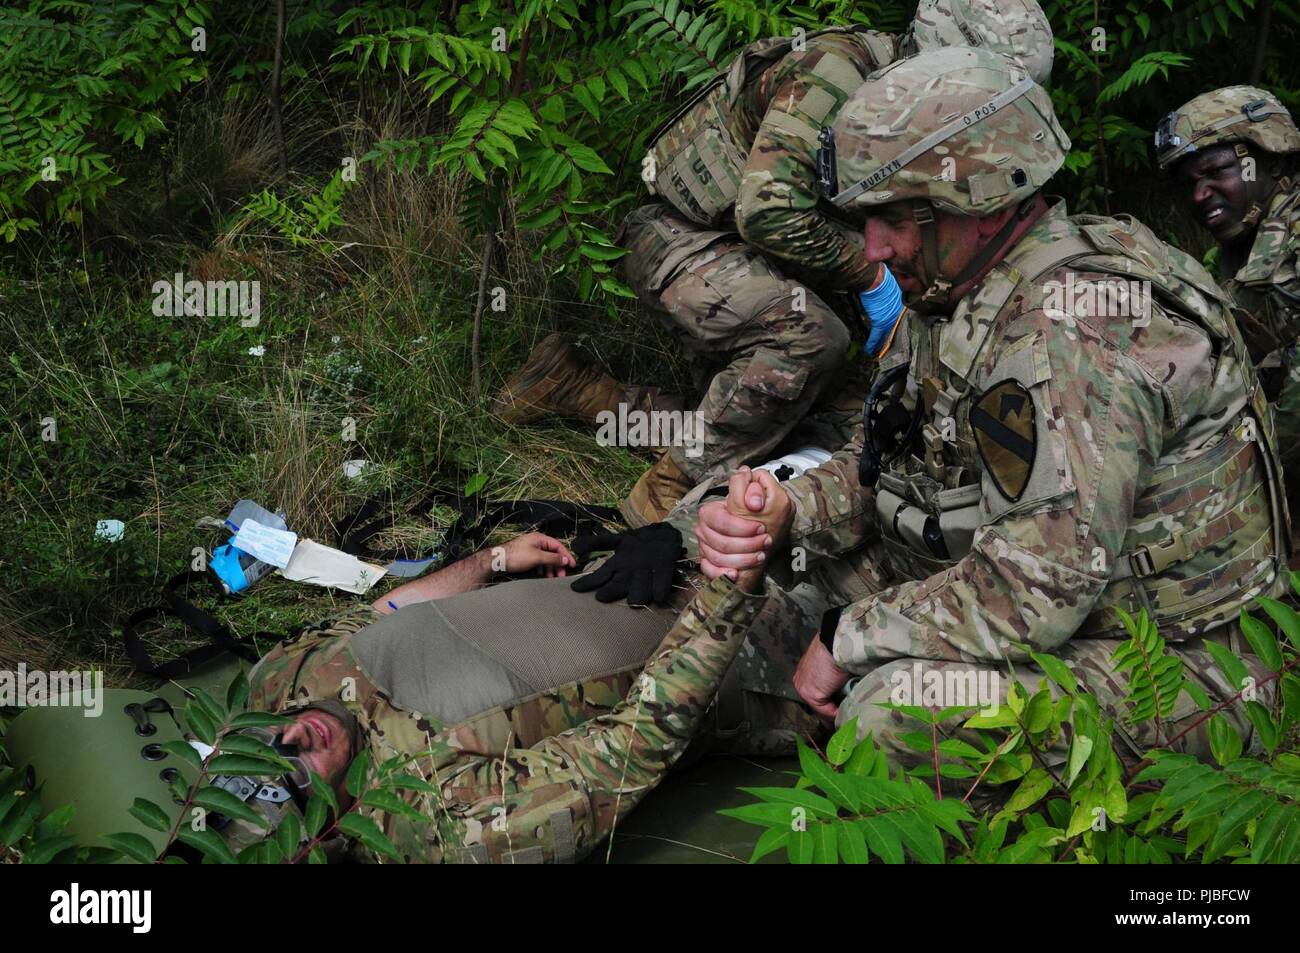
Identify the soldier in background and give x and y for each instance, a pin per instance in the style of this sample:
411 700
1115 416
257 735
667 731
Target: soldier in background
740 258
1235 152
1044 461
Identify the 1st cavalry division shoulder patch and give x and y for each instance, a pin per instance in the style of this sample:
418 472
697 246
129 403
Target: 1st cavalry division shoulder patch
1003 421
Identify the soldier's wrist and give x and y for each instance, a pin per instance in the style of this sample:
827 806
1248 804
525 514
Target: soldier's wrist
724 591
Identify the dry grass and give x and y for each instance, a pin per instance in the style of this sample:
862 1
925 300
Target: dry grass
394 286
19 642
404 224
298 457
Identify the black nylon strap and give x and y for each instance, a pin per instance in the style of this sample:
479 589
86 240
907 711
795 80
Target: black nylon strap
177 606
476 517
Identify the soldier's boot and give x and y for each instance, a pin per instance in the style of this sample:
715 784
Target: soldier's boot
554 380
655 493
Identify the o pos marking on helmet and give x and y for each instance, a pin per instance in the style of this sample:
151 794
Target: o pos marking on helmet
969 118
974 106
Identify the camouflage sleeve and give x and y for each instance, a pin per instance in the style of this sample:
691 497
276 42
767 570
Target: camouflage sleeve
1286 295
559 798
833 511
777 207
682 518
1037 565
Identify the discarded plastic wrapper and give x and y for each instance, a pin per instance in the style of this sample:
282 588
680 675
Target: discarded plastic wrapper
247 509
274 546
111 530
323 566
236 569
405 568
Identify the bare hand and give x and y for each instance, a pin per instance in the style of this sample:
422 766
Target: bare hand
531 551
818 680
521 554
738 535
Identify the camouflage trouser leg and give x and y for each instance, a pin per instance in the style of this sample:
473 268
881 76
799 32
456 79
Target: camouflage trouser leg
960 683
763 346
758 712
650 399
833 421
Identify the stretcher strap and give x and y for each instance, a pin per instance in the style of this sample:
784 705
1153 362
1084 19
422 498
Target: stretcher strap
220 639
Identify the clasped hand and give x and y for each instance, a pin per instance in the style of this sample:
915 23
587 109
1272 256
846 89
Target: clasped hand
738 538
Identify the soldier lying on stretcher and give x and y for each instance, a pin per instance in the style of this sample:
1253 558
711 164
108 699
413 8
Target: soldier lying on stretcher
533 706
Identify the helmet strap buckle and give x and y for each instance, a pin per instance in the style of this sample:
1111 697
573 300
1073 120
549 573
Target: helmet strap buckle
1252 216
935 296
1256 110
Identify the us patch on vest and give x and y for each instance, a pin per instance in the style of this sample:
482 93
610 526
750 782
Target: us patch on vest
1003 421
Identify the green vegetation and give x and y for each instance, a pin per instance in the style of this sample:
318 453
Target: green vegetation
1096 807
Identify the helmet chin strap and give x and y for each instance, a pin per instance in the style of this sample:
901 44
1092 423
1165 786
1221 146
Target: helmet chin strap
938 296
1256 198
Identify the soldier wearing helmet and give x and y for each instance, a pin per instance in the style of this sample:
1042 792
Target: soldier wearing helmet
1070 392
533 717
742 259
528 756
1234 152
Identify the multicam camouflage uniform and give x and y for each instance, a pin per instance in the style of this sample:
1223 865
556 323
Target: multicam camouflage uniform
1265 281
1098 462
1268 285
740 258
555 769
762 344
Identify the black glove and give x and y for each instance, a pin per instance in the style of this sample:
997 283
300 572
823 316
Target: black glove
642 568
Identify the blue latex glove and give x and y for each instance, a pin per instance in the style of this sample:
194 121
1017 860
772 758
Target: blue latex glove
884 306
225 563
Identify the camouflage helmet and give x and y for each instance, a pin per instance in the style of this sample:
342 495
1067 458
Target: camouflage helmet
966 130
1223 116
1018 28
272 798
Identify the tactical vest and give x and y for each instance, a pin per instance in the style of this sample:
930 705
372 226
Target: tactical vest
930 502
695 160
1259 285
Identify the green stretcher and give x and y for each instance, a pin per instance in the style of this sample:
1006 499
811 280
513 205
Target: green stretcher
677 823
